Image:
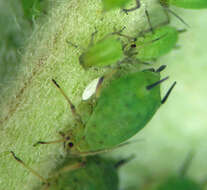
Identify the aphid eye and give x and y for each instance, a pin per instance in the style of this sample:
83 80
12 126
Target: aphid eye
133 46
70 144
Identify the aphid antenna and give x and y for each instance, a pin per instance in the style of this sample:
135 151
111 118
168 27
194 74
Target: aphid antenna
149 87
49 142
72 107
187 163
177 16
152 41
161 68
69 168
138 5
124 161
168 93
30 169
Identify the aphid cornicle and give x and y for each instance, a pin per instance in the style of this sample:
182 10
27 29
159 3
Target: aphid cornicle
124 107
188 4
153 45
95 173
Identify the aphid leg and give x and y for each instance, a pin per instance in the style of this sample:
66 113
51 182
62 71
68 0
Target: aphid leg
69 168
161 68
182 31
72 107
122 162
92 37
30 169
149 21
133 8
187 162
168 93
100 82
149 87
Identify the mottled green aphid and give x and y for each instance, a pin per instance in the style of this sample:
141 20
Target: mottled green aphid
73 174
188 4
153 45
103 53
124 107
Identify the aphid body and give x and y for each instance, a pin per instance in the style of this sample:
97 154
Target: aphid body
103 53
153 45
98 173
188 4
124 107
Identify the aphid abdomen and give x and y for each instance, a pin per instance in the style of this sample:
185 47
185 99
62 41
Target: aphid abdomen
189 4
106 52
123 109
158 44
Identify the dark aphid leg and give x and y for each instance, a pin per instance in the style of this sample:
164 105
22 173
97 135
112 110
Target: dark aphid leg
187 162
30 169
161 68
72 107
134 8
149 21
149 87
168 93
122 162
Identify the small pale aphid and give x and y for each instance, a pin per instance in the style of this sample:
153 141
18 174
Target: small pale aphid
121 110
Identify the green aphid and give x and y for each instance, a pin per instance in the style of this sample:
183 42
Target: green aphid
114 4
95 173
123 108
188 4
179 183
119 4
153 45
103 53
